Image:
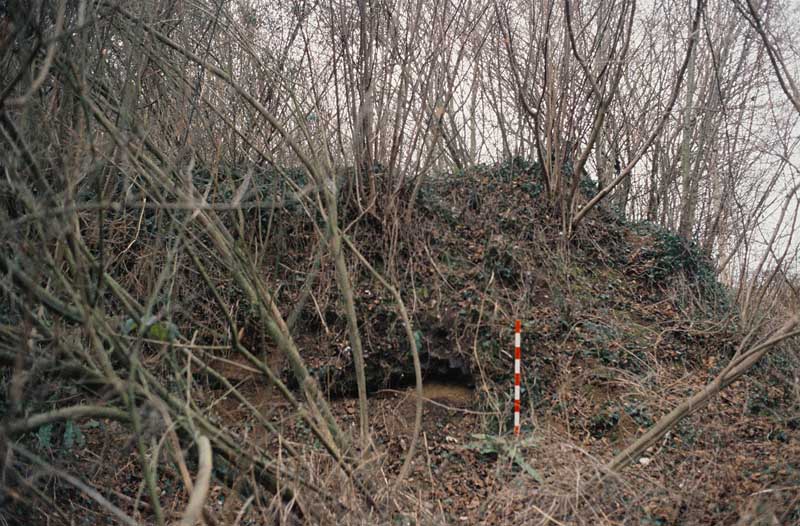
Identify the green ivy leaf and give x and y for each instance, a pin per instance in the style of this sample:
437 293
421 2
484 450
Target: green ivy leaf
157 330
162 331
73 435
418 339
128 326
45 435
69 435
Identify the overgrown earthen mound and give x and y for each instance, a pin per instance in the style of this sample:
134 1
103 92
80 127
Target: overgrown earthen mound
485 249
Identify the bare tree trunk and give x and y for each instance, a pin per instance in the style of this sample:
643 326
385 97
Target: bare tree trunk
601 62
654 190
364 132
689 180
346 290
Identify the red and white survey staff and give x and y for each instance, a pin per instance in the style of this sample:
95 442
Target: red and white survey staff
517 368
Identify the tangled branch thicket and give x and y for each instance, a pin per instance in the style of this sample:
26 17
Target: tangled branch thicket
194 190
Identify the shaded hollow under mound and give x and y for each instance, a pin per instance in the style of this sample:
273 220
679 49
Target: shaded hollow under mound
394 369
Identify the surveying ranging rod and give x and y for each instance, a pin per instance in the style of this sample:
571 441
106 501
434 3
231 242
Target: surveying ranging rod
517 367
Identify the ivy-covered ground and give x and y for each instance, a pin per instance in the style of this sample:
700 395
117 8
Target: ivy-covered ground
619 325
